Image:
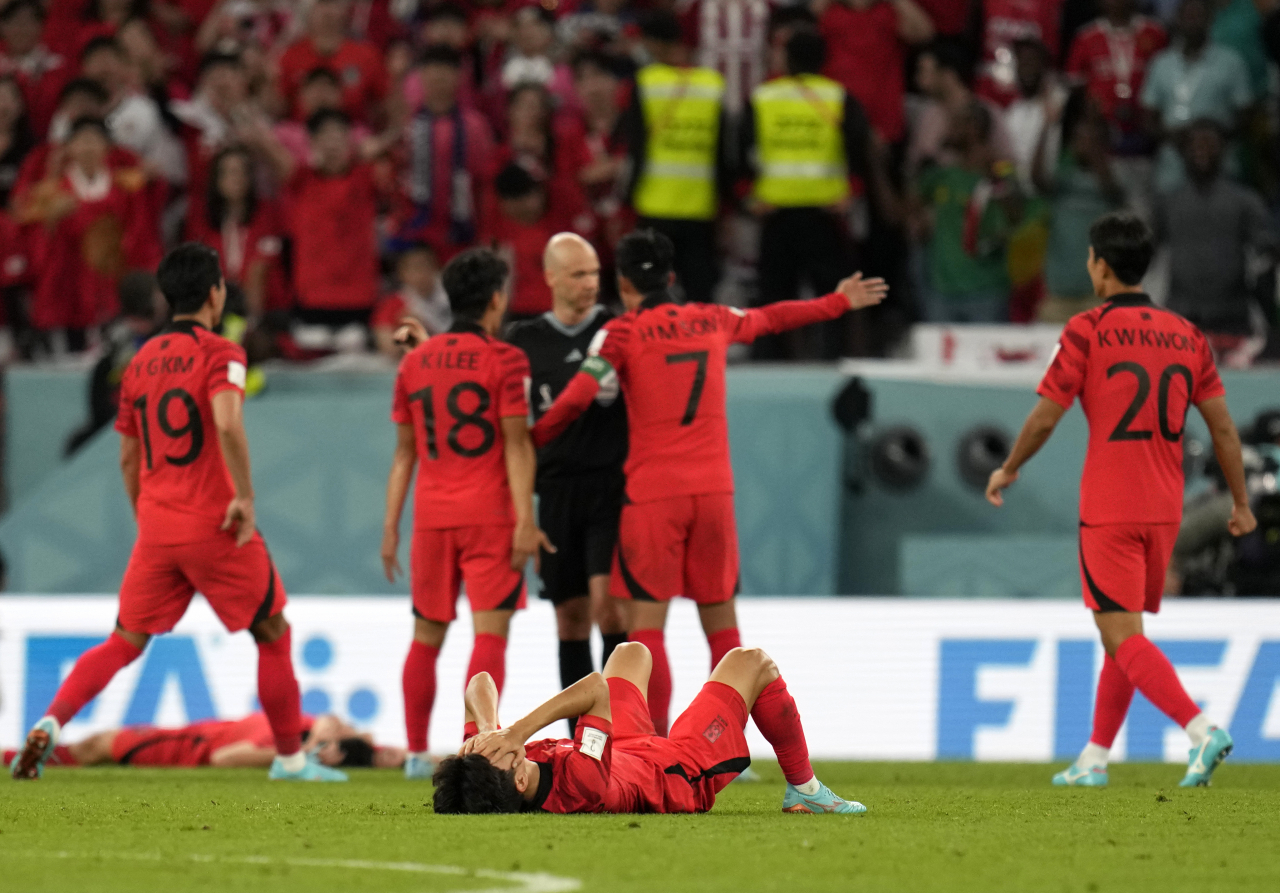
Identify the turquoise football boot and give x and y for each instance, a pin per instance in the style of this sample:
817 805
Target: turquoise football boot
1082 777
29 763
312 770
1207 757
823 801
418 769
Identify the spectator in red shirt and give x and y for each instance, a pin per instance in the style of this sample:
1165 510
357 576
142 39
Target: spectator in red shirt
868 41
15 134
598 80
245 230
520 231
40 72
448 158
1004 22
419 294
551 147
950 17
1110 57
321 90
357 64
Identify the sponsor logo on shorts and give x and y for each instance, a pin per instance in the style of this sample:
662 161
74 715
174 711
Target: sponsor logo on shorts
716 729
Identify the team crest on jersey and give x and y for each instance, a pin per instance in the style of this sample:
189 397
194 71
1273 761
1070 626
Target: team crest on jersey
716 729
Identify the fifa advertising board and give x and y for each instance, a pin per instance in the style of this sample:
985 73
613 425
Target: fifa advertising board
875 678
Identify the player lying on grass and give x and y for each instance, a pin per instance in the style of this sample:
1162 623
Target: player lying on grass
1137 369
247 742
616 763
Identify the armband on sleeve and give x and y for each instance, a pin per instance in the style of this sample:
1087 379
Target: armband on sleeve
597 367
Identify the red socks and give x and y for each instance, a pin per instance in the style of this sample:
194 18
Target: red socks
488 655
1115 692
278 693
722 643
419 682
95 668
778 720
659 694
1151 673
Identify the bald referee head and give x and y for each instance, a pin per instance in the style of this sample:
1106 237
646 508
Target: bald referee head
572 269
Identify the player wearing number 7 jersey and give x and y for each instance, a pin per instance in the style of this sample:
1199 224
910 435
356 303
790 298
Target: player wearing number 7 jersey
461 409
677 534
1137 369
185 459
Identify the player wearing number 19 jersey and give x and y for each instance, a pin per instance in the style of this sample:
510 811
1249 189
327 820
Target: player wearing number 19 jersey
461 409
1137 370
185 459
677 534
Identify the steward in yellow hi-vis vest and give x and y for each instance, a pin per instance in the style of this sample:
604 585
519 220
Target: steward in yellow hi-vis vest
679 167
803 136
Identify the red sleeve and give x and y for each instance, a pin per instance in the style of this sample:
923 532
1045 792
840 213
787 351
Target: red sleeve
376 72
400 398
513 397
573 401
1208 384
746 326
1076 57
582 780
126 420
1065 376
469 731
227 368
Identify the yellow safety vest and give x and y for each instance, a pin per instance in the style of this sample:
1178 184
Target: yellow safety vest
682 124
800 142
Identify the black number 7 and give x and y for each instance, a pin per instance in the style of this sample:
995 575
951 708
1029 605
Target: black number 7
699 379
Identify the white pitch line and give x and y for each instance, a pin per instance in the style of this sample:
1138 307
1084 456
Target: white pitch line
529 882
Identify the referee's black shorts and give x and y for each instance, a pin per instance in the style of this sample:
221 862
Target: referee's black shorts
579 514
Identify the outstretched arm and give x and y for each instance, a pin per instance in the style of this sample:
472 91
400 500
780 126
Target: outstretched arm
853 293
1226 446
1035 431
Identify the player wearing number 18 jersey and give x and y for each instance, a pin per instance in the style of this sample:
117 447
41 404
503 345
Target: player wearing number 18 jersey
1137 369
461 409
185 459
677 534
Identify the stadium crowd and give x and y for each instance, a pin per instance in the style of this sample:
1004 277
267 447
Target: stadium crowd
338 153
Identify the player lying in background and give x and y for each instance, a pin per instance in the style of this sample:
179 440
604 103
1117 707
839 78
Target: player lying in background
246 742
615 762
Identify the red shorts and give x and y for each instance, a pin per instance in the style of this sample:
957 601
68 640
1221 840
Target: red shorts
1122 566
145 746
240 584
441 561
686 545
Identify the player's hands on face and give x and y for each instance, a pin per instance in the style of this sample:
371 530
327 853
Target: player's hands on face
998 481
390 554
1242 520
410 333
863 292
502 748
240 515
525 544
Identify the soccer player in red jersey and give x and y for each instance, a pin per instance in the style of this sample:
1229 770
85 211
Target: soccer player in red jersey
461 409
615 762
1137 370
185 460
247 742
677 534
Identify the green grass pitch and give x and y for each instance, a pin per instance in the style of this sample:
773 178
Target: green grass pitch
934 827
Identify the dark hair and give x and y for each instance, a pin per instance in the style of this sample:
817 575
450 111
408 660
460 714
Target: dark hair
513 181
445 10
1125 243
215 204
645 258
471 785
216 60
440 54
88 122
806 52
84 86
950 55
138 9
9 10
135 291
356 752
187 274
322 73
23 139
326 116
544 16
606 62
101 42
415 247
471 279
660 25
1075 111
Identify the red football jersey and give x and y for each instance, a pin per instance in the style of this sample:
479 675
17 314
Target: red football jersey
1137 370
1112 62
455 389
670 361
166 401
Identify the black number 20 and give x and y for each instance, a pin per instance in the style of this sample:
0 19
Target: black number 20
1122 430
192 427
699 381
461 418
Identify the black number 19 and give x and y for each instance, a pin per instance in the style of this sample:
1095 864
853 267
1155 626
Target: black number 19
192 427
